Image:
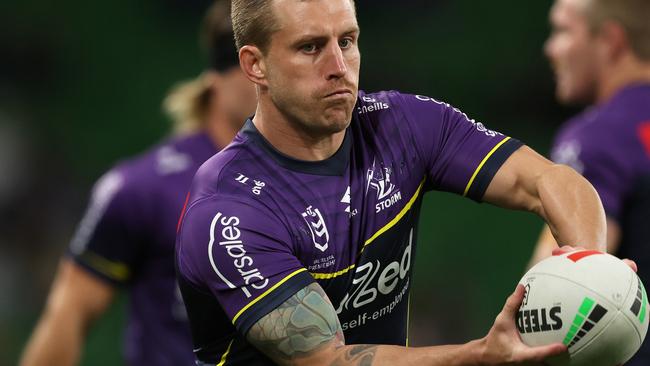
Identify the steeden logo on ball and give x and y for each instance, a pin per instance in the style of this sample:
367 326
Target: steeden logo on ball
591 302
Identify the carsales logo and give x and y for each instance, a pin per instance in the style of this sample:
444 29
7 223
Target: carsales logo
226 230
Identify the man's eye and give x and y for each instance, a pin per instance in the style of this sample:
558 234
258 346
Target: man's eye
308 48
345 43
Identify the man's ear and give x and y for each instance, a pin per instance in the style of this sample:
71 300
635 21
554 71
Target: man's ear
251 61
615 40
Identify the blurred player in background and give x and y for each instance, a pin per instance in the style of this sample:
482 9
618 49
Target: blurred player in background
600 52
126 238
298 240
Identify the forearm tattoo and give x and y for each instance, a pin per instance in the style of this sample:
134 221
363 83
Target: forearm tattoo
358 355
302 324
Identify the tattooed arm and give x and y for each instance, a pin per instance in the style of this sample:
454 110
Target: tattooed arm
305 330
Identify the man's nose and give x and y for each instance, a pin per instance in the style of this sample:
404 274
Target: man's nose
335 66
548 47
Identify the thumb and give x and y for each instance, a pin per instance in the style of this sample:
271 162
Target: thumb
514 301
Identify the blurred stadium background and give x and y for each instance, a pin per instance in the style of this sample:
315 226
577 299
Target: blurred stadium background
81 84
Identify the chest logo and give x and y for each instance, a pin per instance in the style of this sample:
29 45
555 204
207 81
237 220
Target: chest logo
317 227
387 193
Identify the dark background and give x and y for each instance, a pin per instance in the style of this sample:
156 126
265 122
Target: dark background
81 85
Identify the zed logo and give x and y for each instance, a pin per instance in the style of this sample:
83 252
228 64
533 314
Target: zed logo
366 288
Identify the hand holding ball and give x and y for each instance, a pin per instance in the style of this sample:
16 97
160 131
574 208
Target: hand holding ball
592 302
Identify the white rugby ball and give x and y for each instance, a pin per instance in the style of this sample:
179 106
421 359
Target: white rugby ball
588 300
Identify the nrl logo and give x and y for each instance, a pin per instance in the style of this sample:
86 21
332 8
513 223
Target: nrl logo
317 227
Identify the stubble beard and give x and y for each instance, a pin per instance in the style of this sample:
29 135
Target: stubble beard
311 116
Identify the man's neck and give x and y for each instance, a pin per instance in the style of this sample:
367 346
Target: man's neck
627 72
291 140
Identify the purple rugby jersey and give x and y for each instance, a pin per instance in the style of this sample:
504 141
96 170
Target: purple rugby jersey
260 226
127 238
610 146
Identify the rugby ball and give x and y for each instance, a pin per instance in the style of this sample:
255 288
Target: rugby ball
590 301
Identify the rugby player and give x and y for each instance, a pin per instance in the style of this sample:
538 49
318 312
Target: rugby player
127 236
297 243
600 52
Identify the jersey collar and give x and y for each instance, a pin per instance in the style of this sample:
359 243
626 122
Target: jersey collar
334 165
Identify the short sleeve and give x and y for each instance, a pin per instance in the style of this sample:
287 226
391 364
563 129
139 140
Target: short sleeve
460 154
106 242
242 255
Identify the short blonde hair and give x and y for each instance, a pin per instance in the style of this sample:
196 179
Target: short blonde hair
253 22
632 15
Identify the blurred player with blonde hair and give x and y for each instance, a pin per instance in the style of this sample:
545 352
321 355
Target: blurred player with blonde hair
126 238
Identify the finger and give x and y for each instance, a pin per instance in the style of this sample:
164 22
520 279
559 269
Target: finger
562 250
539 354
566 249
514 301
632 264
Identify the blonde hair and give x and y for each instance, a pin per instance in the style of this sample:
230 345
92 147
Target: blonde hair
632 15
188 102
253 22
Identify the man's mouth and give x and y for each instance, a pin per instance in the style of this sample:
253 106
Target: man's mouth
341 92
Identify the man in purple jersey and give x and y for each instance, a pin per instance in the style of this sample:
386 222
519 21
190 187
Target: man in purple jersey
126 238
298 240
600 52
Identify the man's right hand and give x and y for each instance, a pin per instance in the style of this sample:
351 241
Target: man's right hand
503 344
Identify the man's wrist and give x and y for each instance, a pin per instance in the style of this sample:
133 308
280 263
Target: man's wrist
474 352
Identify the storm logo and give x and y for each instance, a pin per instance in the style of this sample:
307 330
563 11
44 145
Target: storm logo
317 227
387 193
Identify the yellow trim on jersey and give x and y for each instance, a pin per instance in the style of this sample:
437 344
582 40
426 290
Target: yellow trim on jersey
115 270
266 293
223 358
325 276
485 159
395 220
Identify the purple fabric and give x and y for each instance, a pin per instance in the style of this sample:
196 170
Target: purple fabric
127 238
604 145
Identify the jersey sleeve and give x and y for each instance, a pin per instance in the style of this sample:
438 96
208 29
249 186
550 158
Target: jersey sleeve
106 242
460 155
242 255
